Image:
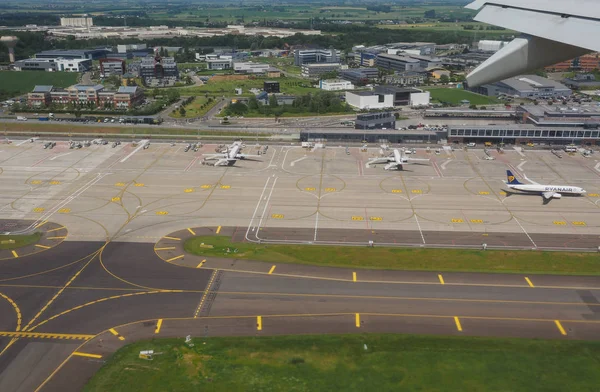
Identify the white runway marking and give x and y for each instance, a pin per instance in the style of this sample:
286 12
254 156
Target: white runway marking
597 167
58 156
519 151
524 231
316 226
256 209
26 141
292 163
445 163
520 166
142 144
266 204
419 226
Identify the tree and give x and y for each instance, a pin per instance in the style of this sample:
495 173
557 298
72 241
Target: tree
182 111
430 14
253 103
444 79
273 101
237 109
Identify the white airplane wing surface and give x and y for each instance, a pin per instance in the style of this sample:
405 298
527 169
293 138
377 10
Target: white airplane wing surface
392 165
555 31
223 162
547 195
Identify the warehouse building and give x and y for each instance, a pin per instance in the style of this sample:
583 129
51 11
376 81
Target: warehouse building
405 96
526 86
250 68
335 85
397 63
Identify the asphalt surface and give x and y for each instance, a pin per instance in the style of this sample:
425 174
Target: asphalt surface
103 280
68 298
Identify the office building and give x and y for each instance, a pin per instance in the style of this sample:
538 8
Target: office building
40 96
526 86
586 63
271 86
382 120
219 64
112 66
314 56
359 76
397 63
316 70
158 68
92 96
407 78
54 65
335 85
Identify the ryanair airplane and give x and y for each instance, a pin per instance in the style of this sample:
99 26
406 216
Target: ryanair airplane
548 192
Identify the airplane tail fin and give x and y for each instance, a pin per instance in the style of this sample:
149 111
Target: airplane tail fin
512 180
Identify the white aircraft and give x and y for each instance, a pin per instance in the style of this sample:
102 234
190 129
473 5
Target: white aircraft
554 31
548 192
394 161
229 156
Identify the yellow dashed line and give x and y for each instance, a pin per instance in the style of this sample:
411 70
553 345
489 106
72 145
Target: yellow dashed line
173 238
354 276
158 325
191 231
199 308
258 323
357 320
560 327
78 354
271 270
457 322
218 229
15 254
441 278
112 330
57 238
175 258
41 224
42 246
529 282
41 335
58 228
201 264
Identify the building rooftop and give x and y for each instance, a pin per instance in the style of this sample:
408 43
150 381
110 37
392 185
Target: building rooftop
405 59
529 82
42 89
84 87
321 65
127 89
396 89
71 52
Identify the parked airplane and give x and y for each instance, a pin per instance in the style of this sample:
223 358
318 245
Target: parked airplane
548 192
229 156
394 161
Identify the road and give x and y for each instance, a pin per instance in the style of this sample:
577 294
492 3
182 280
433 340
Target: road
68 307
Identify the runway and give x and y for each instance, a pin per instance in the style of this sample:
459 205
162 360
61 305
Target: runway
65 308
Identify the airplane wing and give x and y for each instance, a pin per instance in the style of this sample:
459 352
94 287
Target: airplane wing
242 156
213 156
374 161
223 162
547 195
392 165
555 31
418 159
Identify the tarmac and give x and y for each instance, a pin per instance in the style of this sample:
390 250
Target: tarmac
121 274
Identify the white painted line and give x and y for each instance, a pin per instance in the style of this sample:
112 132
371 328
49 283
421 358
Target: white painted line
292 163
256 209
58 156
524 231
316 226
443 165
26 141
520 166
419 226
267 203
519 151
142 144
597 167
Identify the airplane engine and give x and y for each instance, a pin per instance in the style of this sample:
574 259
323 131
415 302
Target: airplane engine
556 196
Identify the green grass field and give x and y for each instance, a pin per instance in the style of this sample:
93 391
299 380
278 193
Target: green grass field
340 363
18 241
453 96
24 81
402 258
195 108
291 86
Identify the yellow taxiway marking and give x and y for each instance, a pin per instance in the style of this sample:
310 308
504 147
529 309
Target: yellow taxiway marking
15 254
484 192
167 248
592 194
477 221
43 335
259 323
112 330
115 199
158 325
78 354
309 189
358 218
457 220
58 228
120 184
42 246
354 276
529 282
64 210
560 223
375 218
357 320
277 216
441 278
38 209
57 238
162 213
396 190
457 322
205 186
560 327
205 294
191 231
41 224
35 182
201 264
189 190
173 238
416 191
219 229
54 182
225 186
329 189
271 270
138 184
578 223
175 258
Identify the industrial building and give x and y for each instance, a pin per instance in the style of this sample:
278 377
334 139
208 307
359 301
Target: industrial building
316 70
405 96
77 22
381 120
335 85
526 86
219 63
367 100
93 54
53 65
359 76
251 68
407 78
314 56
271 86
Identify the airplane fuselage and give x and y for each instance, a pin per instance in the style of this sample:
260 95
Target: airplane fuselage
567 190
